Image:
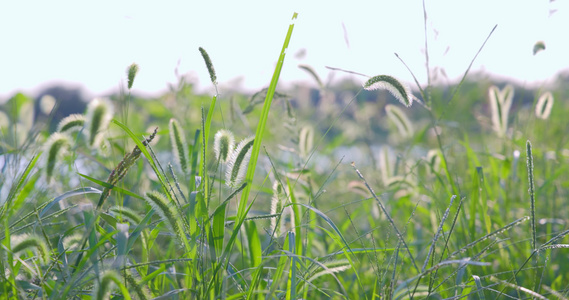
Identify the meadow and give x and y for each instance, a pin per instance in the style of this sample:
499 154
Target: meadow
368 190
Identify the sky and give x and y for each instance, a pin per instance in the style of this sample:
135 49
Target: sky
90 45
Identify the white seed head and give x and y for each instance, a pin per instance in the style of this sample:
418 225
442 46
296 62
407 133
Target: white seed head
71 123
56 147
4 120
399 90
500 103
99 115
47 103
223 144
398 117
544 106
238 163
306 141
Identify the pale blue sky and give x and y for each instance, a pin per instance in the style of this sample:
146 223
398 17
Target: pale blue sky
92 44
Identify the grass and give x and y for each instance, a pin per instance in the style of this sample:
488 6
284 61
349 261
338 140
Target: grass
363 194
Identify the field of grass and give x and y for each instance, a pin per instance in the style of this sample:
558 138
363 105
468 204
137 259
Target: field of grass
344 191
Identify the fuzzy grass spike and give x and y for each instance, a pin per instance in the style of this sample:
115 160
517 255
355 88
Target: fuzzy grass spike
57 146
399 90
544 106
131 74
99 114
179 144
33 242
500 103
398 117
223 144
71 123
238 162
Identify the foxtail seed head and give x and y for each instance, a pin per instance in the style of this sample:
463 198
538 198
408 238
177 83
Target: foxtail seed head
385 82
103 288
165 209
306 141
330 267
33 243
179 144
209 66
126 214
544 106
538 46
434 158
56 147
398 117
4 120
99 114
131 74
223 144
500 103
277 203
71 123
47 103
238 162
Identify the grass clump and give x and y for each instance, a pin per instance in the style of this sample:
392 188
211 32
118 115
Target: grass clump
439 213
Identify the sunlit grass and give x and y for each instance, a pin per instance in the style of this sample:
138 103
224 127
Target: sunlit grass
348 194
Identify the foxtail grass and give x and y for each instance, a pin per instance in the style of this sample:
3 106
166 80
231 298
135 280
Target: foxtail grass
398 89
544 106
131 72
531 191
102 290
166 210
398 117
538 46
500 103
209 66
33 243
223 144
99 114
47 103
56 148
179 145
306 141
238 163
71 123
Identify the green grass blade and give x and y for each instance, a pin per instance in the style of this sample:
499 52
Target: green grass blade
262 123
291 283
255 251
16 188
